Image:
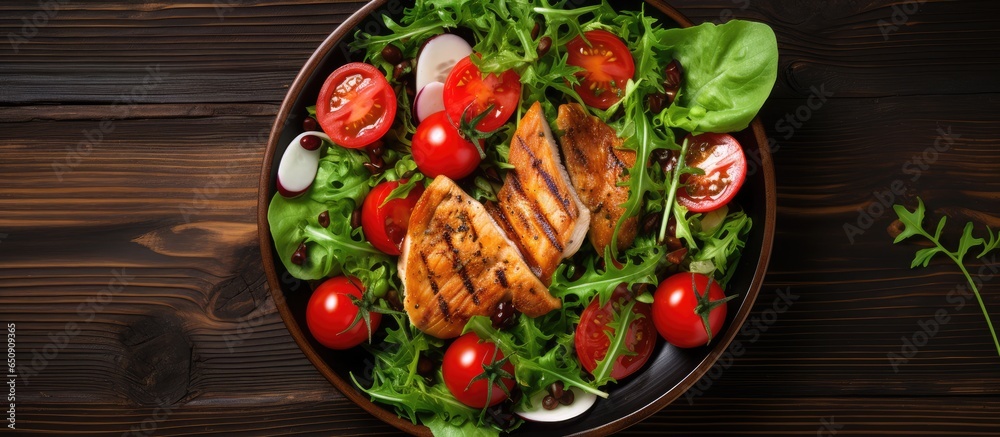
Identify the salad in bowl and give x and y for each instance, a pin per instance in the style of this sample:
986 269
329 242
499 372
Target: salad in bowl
499 213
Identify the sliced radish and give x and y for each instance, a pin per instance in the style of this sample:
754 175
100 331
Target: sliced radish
581 403
438 56
429 100
299 165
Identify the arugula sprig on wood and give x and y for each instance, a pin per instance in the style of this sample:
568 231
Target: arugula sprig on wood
913 226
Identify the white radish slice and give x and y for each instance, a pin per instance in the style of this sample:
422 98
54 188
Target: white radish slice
298 166
429 100
438 56
581 403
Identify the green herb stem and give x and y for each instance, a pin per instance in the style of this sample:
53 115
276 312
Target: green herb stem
913 225
972 285
668 208
979 298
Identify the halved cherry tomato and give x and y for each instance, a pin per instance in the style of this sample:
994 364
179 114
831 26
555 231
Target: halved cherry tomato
608 64
467 93
592 339
464 361
439 149
678 310
356 105
330 312
721 158
385 223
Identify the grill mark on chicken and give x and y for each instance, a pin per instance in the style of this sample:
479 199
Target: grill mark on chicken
502 278
464 217
459 265
550 183
578 155
431 277
614 156
443 306
540 217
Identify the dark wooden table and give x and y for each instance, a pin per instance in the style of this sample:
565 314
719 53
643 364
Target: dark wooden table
131 138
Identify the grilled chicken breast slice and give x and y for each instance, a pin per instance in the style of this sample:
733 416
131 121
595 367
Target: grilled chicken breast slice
456 263
537 206
596 164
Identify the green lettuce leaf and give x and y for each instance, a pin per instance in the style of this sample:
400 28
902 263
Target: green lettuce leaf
729 71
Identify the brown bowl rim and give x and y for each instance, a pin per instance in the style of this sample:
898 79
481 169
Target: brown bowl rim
345 386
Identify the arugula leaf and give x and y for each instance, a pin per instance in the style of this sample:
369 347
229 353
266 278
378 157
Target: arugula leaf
603 282
533 370
913 225
991 245
617 347
723 246
913 222
641 137
729 71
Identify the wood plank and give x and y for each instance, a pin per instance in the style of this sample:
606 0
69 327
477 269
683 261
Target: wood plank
251 52
743 415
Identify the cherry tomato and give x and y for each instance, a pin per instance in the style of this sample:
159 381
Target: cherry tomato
439 149
356 105
385 223
592 339
330 311
677 310
464 361
608 66
467 93
725 166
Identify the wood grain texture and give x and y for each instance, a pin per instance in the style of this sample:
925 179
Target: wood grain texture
128 257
